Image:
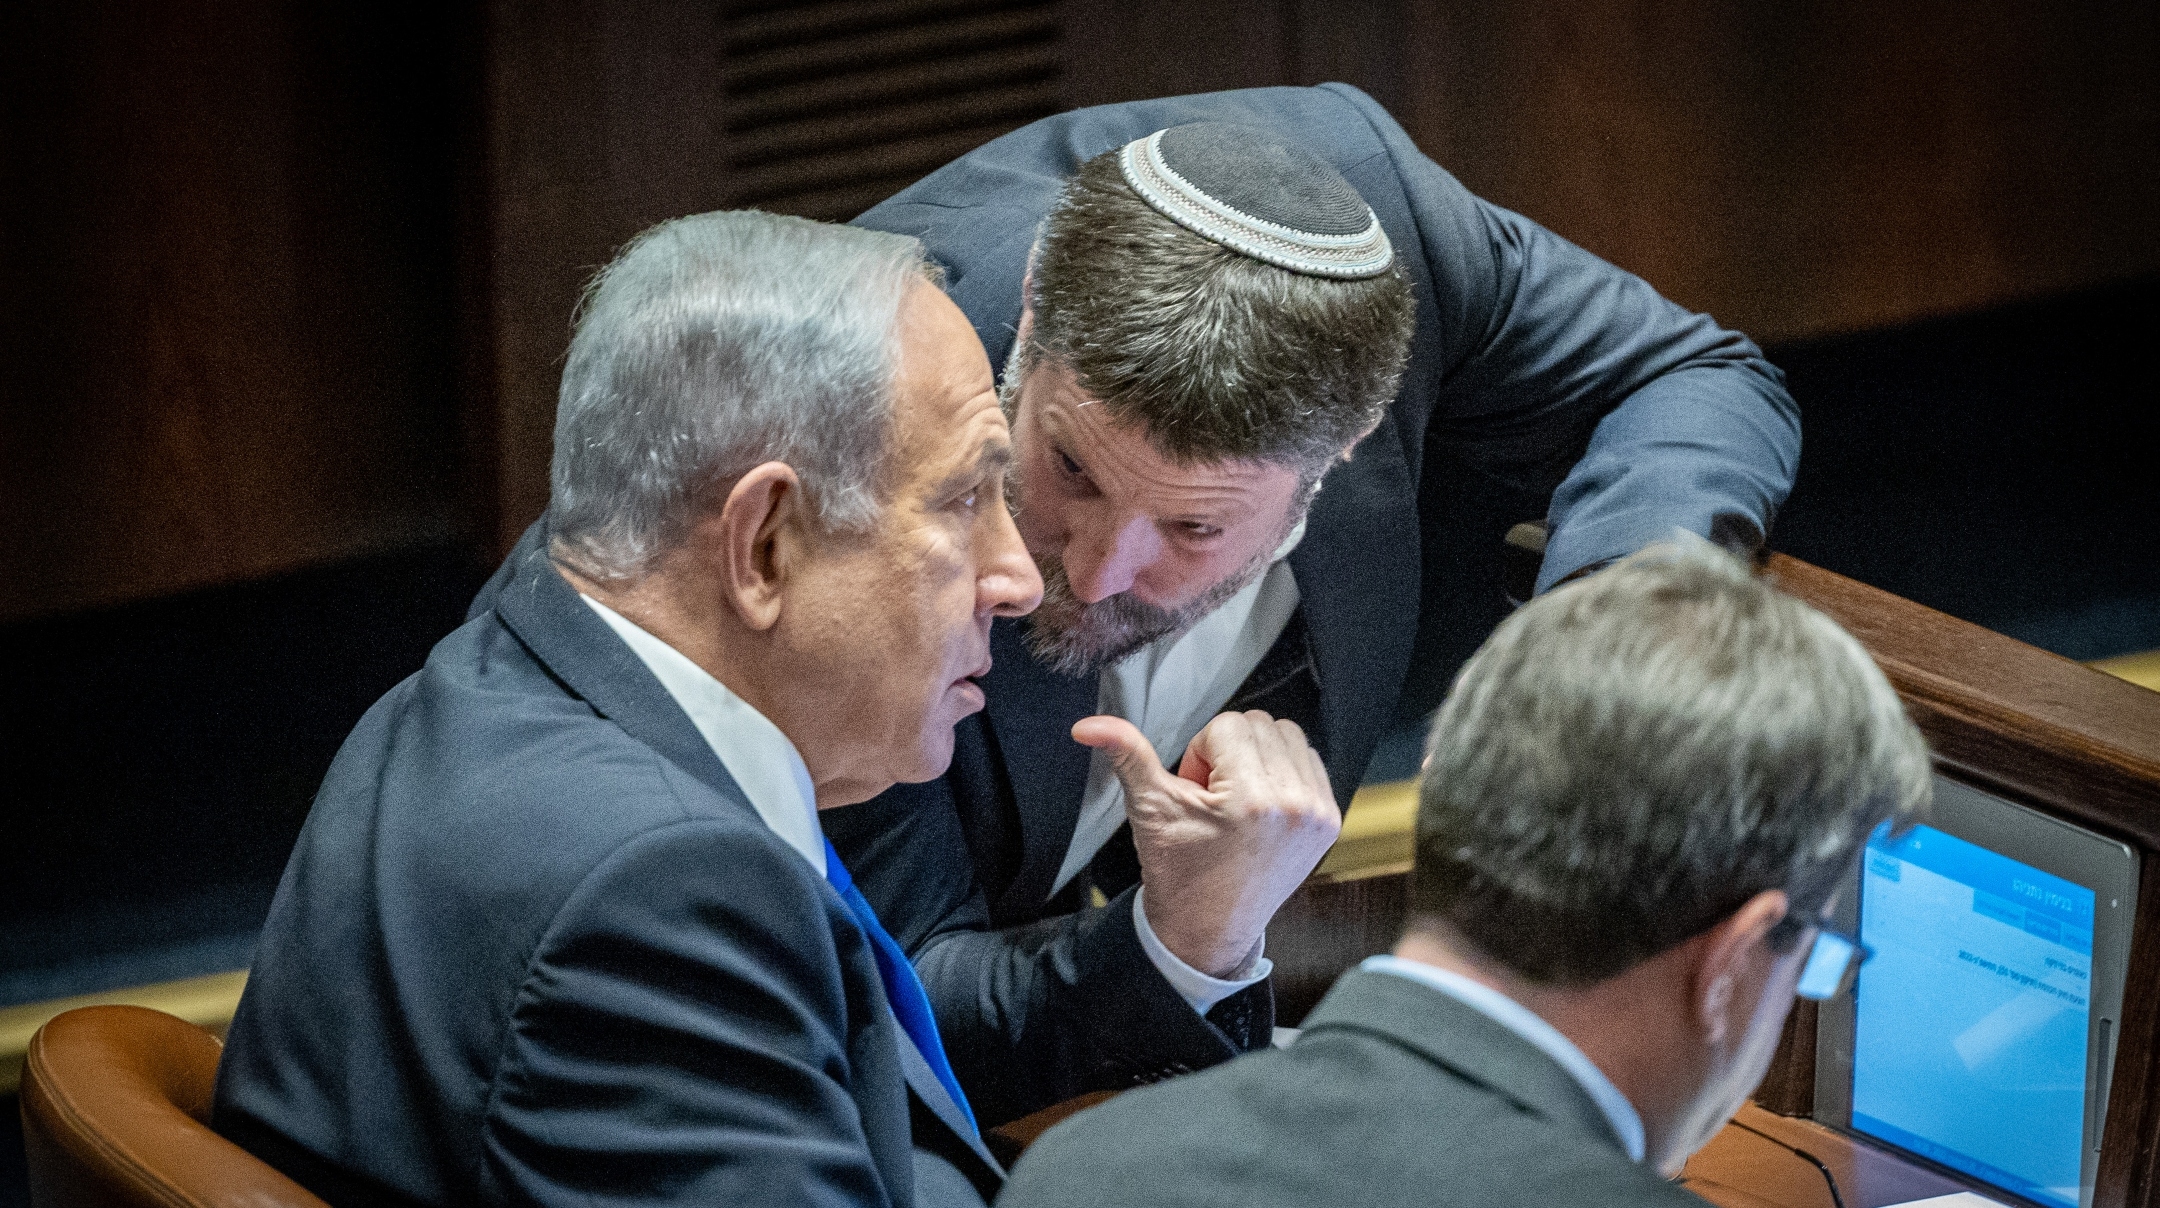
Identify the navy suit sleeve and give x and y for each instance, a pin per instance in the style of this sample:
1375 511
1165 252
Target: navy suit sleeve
682 1037
1565 374
1031 1015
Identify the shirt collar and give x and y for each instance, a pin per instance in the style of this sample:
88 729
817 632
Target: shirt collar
763 762
1521 1020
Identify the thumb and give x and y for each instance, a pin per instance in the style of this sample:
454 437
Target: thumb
1131 755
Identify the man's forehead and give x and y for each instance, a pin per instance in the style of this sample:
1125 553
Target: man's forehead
959 433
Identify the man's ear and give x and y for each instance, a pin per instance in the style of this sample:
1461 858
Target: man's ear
755 538
1734 962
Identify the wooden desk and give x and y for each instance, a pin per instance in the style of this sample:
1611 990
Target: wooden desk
1738 1169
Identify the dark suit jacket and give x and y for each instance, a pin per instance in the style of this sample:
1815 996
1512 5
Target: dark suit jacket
1395 1094
534 945
1540 380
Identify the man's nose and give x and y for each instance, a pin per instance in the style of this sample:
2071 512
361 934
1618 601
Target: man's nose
1009 585
1102 561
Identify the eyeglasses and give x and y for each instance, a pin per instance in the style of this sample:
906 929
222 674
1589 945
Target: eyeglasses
1832 962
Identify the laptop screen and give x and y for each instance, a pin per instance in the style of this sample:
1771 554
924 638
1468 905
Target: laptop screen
1970 1024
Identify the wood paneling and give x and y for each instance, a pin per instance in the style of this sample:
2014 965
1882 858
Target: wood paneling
225 301
249 250
1325 928
834 106
1795 169
1809 167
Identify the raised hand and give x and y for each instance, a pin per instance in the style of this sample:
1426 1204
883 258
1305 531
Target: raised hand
1224 841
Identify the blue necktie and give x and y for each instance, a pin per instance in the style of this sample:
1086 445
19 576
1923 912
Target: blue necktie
909 1004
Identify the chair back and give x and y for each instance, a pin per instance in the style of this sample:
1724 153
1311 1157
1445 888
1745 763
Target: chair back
116 1112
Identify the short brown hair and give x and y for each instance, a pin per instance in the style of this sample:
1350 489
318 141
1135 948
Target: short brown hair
1631 757
1220 356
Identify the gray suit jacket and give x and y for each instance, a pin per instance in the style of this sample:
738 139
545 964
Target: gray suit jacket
1395 1094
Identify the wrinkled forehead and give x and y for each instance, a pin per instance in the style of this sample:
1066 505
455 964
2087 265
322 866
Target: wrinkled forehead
947 443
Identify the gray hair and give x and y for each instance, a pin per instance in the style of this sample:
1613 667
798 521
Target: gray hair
1220 357
1633 756
710 345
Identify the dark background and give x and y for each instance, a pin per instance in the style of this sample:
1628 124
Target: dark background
283 294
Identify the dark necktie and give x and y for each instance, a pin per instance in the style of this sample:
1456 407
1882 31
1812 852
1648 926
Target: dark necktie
910 1005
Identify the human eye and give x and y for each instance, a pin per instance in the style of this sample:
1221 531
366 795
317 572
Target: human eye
1072 474
1196 530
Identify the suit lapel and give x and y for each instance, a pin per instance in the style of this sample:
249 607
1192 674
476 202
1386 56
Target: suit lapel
578 648
1358 581
1032 710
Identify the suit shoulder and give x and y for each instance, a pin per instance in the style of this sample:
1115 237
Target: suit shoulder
1311 1123
483 781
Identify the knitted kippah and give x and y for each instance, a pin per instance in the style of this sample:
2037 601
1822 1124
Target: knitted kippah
1239 187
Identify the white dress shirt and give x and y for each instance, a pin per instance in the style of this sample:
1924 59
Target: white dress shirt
1524 1022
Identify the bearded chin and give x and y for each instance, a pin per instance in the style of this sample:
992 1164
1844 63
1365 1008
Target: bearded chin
1076 638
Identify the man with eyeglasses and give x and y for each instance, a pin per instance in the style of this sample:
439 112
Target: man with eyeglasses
1637 804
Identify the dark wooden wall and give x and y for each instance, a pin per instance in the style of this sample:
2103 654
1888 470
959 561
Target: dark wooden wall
284 286
1796 168
226 293
1803 167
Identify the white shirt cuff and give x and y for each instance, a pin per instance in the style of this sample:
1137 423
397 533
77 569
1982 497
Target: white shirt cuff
1196 988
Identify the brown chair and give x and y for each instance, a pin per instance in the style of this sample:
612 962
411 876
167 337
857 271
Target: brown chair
116 1110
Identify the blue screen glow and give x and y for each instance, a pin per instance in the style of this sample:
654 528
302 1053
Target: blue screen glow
1969 1025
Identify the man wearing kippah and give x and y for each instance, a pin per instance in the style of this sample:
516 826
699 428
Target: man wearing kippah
1278 385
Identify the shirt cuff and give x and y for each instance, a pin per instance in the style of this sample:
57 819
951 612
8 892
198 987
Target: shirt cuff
1199 990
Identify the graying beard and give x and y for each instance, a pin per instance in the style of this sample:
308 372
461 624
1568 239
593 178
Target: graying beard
1081 639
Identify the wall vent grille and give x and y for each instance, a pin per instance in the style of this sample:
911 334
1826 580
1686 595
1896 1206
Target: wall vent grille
833 106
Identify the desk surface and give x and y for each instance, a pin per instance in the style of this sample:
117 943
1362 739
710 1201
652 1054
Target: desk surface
1738 1169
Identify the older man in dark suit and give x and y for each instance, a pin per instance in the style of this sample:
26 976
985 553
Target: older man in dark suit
1638 801
562 927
